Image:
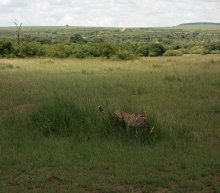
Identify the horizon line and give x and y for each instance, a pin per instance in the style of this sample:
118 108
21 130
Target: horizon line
95 26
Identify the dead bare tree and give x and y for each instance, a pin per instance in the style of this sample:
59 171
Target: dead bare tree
18 30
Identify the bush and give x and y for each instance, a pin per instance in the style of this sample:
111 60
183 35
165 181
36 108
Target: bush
6 48
153 49
125 55
143 50
107 49
173 53
185 51
58 50
132 48
80 51
215 52
86 50
156 49
213 46
176 47
77 38
198 50
11 55
92 49
30 49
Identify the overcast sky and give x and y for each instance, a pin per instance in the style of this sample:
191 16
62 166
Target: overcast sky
127 13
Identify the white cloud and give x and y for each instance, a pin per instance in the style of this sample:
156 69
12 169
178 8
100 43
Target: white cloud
133 13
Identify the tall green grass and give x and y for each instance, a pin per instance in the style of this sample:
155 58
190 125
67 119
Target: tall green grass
63 144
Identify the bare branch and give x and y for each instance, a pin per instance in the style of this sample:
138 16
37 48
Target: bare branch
18 30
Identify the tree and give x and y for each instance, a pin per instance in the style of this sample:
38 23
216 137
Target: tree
107 49
18 30
77 38
156 49
6 48
143 50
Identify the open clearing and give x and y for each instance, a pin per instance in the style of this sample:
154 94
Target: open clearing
52 138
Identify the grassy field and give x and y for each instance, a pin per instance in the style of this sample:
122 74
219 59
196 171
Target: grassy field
52 138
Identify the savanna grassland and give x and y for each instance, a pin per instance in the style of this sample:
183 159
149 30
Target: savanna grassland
53 139
115 43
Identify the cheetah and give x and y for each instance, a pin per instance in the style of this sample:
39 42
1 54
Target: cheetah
137 120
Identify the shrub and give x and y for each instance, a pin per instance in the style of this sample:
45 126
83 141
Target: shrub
30 49
143 50
131 47
11 55
215 52
176 47
93 49
198 50
213 46
185 51
77 38
107 49
156 49
80 51
173 53
6 48
152 49
58 50
125 55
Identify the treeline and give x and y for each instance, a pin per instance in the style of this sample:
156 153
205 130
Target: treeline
78 47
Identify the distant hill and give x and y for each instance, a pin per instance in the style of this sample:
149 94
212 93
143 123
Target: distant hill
199 26
199 23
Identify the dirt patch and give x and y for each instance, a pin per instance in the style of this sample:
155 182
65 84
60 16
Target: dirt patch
212 139
162 190
216 178
6 174
204 190
13 184
120 188
55 179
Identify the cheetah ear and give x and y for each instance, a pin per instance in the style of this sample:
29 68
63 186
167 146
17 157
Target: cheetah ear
100 109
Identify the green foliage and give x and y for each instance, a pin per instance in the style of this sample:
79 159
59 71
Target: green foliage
108 42
86 50
63 144
107 49
131 47
176 46
156 49
173 53
215 52
80 51
198 50
58 50
30 49
143 50
77 38
151 49
6 48
213 46
93 49
125 55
